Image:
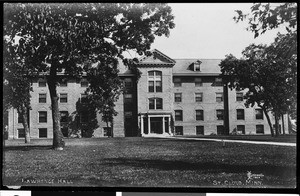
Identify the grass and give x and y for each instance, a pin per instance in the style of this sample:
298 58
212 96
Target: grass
269 138
148 162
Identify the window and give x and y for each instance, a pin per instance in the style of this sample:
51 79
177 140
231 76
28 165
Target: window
260 129
63 97
154 81
199 115
83 98
198 97
106 131
63 83
177 82
219 97
199 130
218 82
42 83
240 129
259 114
128 82
21 133
84 116
198 82
220 130
239 97
155 103
43 133
64 116
20 118
42 98
178 97
178 115
127 98
178 130
220 114
42 117
197 66
84 83
240 114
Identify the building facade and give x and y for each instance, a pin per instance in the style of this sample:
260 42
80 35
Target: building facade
171 97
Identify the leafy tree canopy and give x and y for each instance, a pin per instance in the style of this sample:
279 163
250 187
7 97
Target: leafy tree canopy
267 16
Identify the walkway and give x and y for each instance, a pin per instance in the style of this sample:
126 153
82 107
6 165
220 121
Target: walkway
233 141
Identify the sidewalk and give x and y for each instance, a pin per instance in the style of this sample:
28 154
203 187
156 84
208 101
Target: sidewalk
233 141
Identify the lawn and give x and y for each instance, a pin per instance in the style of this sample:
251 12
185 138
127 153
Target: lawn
269 138
148 162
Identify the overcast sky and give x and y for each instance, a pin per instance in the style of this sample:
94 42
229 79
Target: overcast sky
207 30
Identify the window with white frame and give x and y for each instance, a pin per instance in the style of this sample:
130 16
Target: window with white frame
43 133
155 103
199 115
198 97
178 115
199 130
219 97
240 129
42 117
178 97
155 81
42 98
177 82
240 114
259 115
63 98
239 96
260 129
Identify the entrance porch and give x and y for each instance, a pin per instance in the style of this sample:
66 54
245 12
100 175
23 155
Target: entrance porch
155 125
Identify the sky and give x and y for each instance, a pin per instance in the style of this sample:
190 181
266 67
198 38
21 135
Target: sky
208 31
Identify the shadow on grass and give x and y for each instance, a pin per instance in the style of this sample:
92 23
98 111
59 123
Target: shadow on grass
206 167
27 148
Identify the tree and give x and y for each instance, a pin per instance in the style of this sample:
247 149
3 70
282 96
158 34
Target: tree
103 97
269 73
283 52
265 17
16 83
68 36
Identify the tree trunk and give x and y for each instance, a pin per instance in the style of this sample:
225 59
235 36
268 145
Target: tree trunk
283 128
58 142
112 128
269 121
24 114
276 124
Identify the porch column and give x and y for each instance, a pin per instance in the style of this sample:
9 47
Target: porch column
149 128
163 123
142 125
169 123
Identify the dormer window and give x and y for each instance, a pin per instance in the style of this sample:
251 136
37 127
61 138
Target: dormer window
197 65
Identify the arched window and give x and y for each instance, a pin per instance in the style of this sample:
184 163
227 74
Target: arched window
155 81
155 103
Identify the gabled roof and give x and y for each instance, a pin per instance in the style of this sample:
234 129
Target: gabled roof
207 67
157 58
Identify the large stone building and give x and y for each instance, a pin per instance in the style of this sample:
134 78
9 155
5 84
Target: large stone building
172 97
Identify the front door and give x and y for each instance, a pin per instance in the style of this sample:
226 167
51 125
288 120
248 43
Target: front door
156 125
